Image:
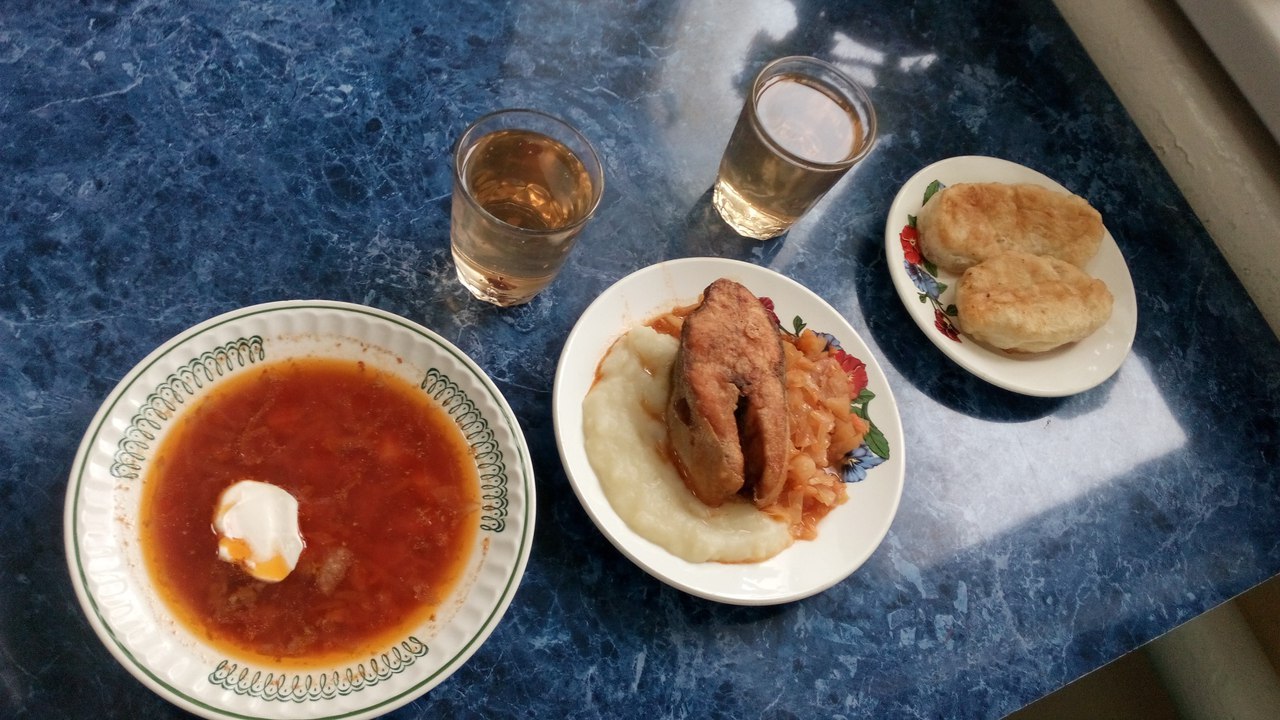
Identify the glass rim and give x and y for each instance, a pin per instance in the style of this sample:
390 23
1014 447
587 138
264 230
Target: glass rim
859 93
592 161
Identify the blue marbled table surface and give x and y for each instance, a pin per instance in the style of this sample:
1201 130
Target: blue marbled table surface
165 162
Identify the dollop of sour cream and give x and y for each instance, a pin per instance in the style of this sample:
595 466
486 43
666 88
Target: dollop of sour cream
257 527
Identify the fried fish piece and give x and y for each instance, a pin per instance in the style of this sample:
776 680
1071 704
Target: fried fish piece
727 415
1029 303
966 223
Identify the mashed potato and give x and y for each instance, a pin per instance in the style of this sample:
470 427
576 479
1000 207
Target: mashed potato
626 441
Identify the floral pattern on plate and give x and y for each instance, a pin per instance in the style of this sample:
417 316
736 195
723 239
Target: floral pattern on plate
874 449
924 274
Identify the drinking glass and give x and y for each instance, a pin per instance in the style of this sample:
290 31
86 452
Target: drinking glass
803 125
525 183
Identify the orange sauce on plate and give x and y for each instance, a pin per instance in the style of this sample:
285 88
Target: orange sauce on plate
388 505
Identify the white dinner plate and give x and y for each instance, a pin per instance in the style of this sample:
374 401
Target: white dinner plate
846 537
104 493
1065 371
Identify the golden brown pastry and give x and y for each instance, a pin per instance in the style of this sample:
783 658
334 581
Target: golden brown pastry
966 223
727 416
1028 303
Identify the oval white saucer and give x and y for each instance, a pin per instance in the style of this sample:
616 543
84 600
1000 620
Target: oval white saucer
1065 371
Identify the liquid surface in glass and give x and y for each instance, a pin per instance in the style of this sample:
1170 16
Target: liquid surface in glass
807 121
529 180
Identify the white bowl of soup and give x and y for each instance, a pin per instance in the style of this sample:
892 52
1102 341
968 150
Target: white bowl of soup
376 452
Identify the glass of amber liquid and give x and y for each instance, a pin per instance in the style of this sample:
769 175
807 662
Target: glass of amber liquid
524 185
803 125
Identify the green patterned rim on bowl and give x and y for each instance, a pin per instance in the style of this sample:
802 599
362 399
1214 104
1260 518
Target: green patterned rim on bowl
104 494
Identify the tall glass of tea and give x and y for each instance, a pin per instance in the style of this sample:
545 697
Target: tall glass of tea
524 185
803 125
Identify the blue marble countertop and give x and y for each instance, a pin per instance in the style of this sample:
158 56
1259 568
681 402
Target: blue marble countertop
165 162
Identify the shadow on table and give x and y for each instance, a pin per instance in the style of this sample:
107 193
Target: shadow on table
707 235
